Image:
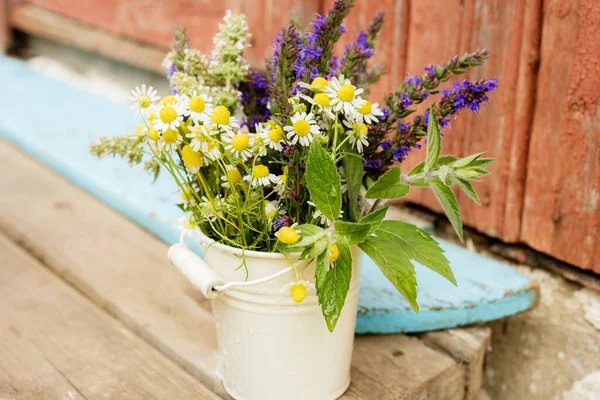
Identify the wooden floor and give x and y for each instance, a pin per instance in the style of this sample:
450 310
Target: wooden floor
90 308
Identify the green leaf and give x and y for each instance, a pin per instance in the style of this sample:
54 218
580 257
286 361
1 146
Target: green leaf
353 168
389 186
434 140
417 169
308 233
468 189
418 245
449 204
481 163
463 162
323 181
375 218
333 285
395 265
315 249
351 232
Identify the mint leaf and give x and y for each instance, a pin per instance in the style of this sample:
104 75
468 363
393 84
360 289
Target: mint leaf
418 245
351 232
463 162
315 249
449 204
323 181
417 169
481 163
434 140
374 219
468 189
353 168
333 285
395 265
389 186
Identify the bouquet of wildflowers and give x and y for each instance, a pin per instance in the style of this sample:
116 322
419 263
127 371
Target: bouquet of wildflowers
297 158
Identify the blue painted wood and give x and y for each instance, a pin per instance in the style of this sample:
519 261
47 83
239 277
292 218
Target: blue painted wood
55 123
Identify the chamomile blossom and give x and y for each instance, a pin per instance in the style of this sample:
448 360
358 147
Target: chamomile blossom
272 134
239 144
303 128
199 107
220 117
317 85
199 135
189 194
191 159
169 115
368 112
169 140
272 209
358 133
322 102
231 178
260 145
261 176
143 97
189 225
343 94
318 215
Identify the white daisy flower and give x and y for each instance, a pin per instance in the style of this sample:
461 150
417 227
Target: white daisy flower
343 94
199 107
169 140
231 178
199 135
188 225
220 117
261 176
143 97
212 209
358 134
141 130
368 112
317 85
322 102
169 115
323 220
272 210
239 145
272 134
303 128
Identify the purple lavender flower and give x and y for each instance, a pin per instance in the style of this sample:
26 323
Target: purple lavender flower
405 99
372 164
386 144
386 113
466 94
342 29
430 69
283 221
400 153
404 126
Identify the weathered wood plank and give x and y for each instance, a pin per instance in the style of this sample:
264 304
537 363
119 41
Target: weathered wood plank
4 26
41 22
511 31
56 344
152 21
562 202
468 347
124 269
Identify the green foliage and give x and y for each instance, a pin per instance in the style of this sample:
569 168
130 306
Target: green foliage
449 204
374 219
389 186
353 167
351 232
434 140
323 181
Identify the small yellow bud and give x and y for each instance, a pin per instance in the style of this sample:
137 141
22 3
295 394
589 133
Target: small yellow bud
220 115
234 176
298 292
288 235
335 253
190 157
153 134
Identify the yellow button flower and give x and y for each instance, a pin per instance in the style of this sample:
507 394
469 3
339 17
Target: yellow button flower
276 134
170 136
240 141
167 114
168 100
234 176
322 99
346 92
301 127
318 83
365 108
197 104
190 157
153 134
260 171
298 292
288 235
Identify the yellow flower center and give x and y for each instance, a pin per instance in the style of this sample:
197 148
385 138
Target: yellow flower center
322 99
234 176
190 157
153 134
260 171
298 292
276 134
271 213
301 127
288 235
168 100
240 141
220 115
139 128
335 253
184 127
318 83
365 108
151 116
167 114
144 101
283 178
346 92
170 136
197 104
